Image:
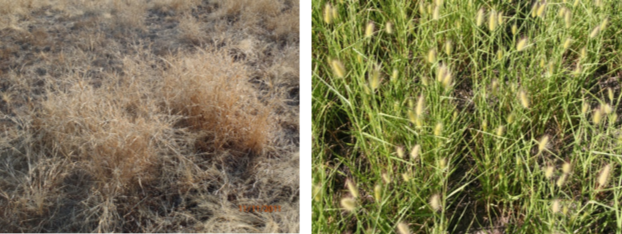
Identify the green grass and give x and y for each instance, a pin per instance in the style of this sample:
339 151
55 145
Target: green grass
487 106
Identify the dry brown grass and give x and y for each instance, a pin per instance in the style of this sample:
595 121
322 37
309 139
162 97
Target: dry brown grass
176 6
214 92
148 116
191 31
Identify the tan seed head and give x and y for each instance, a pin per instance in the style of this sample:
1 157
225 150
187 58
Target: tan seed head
435 202
353 189
603 177
402 228
349 204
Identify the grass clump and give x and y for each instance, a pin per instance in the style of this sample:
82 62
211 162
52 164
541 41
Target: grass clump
509 109
212 90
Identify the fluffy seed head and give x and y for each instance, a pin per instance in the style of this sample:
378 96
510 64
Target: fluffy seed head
353 189
534 9
389 27
448 47
400 151
562 12
338 68
492 20
374 81
435 202
369 29
441 71
484 125
386 178
500 18
406 176
438 129
316 192
514 29
568 19
436 13
510 118
551 69
523 98
548 172
328 13
349 204
606 108
597 116
420 105
394 75
442 163
378 192
556 206
411 116
583 53
542 144
432 55
541 10
419 123
402 228
500 130
567 43
425 81
562 180
603 177
595 32
414 153
522 43
479 19
584 108
566 167
447 80
610 94
335 13
500 54
577 70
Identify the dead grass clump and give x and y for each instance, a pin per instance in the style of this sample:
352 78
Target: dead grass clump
39 37
19 7
248 13
247 49
231 8
286 67
190 30
266 8
285 26
213 92
103 130
129 14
